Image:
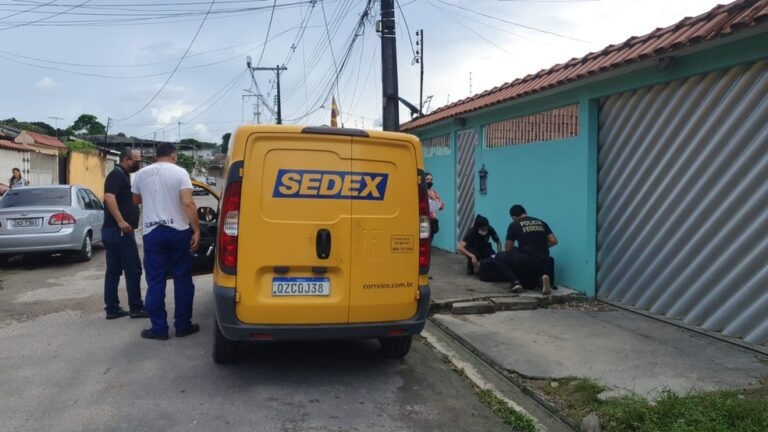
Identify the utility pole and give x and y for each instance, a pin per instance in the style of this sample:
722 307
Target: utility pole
56 124
179 139
106 132
277 69
470 83
391 109
420 60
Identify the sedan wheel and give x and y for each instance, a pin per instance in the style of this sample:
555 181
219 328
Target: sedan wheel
86 252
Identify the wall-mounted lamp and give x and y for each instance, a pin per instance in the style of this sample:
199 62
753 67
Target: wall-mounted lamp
483 180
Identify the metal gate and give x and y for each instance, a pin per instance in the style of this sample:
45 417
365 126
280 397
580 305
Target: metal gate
43 169
683 201
466 142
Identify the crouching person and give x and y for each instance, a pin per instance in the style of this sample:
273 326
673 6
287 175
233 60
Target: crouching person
476 244
530 260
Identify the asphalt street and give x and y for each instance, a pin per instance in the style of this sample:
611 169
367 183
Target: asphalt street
66 368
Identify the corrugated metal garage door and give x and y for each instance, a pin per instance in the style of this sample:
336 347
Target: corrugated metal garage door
466 143
683 201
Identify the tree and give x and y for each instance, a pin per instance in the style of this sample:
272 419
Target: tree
87 124
185 162
225 142
39 127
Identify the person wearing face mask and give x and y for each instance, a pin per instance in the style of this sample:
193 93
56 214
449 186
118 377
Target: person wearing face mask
435 205
121 217
476 246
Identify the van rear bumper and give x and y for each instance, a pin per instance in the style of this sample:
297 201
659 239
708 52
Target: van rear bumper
235 330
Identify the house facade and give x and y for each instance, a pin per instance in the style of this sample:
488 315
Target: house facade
647 159
44 157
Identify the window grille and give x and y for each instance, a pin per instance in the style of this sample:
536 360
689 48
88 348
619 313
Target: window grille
549 125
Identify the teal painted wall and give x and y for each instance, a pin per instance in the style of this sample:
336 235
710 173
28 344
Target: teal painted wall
443 169
550 179
557 180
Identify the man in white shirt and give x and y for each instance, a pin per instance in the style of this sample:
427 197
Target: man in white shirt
171 232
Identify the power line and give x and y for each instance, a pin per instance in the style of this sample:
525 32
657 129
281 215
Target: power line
226 89
136 65
28 10
330 45
513 23
266 38
194 38
46 18
407 29
147 19
449 15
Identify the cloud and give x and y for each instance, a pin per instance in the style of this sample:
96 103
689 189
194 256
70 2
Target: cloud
170 111
47 84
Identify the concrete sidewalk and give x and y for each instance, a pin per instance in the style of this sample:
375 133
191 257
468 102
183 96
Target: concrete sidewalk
450 283
617 348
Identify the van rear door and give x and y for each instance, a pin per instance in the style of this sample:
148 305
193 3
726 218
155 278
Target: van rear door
294 240
385 231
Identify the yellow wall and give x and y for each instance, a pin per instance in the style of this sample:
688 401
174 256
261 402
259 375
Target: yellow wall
89 170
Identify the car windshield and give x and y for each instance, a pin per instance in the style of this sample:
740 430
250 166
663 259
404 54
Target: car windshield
59 197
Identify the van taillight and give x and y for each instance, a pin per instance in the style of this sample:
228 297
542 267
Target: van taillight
424 228
230 220
62 219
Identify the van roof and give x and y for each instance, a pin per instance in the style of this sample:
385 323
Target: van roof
248 129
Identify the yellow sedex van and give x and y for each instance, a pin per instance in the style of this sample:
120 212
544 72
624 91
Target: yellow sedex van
323 234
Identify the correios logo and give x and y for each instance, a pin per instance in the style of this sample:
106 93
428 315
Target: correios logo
330 185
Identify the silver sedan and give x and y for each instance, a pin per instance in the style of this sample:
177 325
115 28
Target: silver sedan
50 219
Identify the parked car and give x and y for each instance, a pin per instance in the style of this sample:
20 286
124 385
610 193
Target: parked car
196 189
211 181
203 259
50 219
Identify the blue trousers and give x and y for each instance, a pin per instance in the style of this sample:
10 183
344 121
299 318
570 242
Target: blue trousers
122 258
167 250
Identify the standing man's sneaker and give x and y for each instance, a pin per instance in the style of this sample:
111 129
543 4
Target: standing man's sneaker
194 328
517 287
546 285
149 334
119 313
139 313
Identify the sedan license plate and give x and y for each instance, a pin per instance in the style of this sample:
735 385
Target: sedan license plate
292 286
26 223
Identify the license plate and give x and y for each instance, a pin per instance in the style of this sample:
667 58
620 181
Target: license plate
291 286
26 223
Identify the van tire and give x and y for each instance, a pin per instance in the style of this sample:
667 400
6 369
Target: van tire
396 347
224 350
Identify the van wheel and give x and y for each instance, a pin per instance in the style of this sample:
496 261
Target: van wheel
4 259
86 251
396 347
224 350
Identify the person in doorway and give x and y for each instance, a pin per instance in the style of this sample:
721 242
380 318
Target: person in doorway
16 180
435 204
121 217
476 244
530 260
171 232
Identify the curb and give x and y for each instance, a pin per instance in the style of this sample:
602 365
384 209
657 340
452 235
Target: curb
506 373
445 306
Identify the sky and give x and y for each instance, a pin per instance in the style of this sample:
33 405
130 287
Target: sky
116 58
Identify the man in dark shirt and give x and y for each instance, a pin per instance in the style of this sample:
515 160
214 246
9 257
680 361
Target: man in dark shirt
121 217
530 259
476 246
